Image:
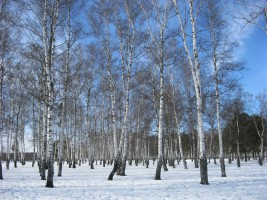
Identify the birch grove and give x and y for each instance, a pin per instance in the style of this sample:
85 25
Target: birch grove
124 83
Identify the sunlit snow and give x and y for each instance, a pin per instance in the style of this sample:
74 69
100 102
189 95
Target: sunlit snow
247 182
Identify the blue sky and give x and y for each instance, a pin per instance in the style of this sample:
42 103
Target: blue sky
254 52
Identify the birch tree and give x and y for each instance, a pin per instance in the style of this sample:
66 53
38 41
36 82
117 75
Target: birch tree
190 108
7 44
127 56
193 59
158 39
49 52
72 30
1 93
238 107
88 94
66 79
116 149
262 102
101 25
35 137
216 29
178 119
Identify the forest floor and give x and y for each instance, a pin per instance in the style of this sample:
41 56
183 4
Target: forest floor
247 182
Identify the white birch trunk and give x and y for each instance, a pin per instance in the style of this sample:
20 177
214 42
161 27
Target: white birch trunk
116 155
39 139
1 101
22 143
237 144
125 124
45 91
74 142
214 41
161 18
34 136
63 117
160 138
49 50
223 173
1 151
195 69
16 138
10 131
42 141
88 125
178 126
261 136
126 105
137 156
103 143
8 150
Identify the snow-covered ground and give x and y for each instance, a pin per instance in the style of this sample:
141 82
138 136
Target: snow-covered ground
247 182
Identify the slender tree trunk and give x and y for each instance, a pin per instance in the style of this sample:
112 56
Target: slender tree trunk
1 169
191 126
8 150
16 138
217 95
238 153
126 113
237 144
117 153
80 147
223 173
261 136
69 147
103 142
160 139
61 136
211 145
44 144
197 83
39 142
195 69
34 152
116 157
137 139
178 127
49 50
89 122
50 173
74 143
181 149
165 153
22 143
63 118
34 134
261 157
45 92
161 18
1 110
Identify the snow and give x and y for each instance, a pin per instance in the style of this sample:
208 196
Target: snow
247 182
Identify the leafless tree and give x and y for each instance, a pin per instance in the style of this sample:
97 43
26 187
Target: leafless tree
193 59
